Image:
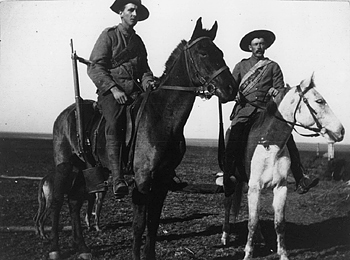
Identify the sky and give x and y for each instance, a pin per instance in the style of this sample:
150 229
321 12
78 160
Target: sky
36 78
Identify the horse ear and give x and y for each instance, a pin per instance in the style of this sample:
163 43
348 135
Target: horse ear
197 29
213 30
312 80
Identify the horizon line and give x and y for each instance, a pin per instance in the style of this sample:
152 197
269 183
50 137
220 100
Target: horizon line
211 142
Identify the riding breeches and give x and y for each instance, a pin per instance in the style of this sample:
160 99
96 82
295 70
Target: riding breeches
115 115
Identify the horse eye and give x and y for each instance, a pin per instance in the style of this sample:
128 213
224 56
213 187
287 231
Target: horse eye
321 101
203 54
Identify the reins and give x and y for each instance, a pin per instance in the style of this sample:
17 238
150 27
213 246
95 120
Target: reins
293 124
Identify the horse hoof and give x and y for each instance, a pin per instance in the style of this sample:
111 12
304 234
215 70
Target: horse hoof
98 229
225 239
224 242
55 255
85 256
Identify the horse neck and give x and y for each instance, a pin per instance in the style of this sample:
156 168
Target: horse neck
275 127
284 117
176 105
288 106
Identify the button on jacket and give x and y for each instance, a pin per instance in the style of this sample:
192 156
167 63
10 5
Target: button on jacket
110 43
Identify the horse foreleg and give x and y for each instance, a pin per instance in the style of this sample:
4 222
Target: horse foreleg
253 207
90 207
98 207
279 202
153 218
226 226
140 202
235 201
75 203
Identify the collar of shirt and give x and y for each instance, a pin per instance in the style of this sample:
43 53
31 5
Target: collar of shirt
124 31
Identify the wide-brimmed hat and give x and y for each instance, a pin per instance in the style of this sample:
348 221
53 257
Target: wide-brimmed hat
142 11
268 36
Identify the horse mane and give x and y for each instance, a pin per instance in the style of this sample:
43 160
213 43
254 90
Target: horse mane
173 58
179 49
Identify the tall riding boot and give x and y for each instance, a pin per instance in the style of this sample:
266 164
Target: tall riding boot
233 158
114 152
303 182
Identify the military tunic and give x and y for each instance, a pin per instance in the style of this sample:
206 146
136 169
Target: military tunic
103 71
107 72
273 77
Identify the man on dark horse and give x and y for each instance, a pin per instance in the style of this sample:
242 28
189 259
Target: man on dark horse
119 69
259 80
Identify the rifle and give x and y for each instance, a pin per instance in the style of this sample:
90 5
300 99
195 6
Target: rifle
94 173
78 102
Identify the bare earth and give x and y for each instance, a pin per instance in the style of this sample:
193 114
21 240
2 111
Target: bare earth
318 223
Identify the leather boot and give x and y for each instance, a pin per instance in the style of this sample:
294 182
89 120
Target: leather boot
306 183
177 185
114 152
303 182
234 171
174 185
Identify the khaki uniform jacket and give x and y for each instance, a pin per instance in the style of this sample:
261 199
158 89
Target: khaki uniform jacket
273 77
103 72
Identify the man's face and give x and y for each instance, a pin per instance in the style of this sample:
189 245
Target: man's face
129 15
258 47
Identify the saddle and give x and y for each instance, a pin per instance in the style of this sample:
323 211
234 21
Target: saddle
94 133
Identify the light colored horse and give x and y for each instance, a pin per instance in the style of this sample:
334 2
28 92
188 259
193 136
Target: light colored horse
268 160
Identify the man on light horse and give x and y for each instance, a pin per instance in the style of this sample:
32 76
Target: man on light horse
119 69
259 80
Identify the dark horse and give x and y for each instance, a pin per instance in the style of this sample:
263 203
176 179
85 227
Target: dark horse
194 68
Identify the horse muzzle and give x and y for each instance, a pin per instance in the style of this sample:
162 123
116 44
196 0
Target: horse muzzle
332 136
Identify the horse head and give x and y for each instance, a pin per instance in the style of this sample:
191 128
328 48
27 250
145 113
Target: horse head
313 112
206 66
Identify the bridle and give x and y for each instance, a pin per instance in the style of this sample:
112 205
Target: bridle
319 130
206 88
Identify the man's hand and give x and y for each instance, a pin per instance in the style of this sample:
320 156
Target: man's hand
152 84
273 92
119 95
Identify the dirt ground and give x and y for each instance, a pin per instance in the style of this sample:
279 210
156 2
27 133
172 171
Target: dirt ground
318 223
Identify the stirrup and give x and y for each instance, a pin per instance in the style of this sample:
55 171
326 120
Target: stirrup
122 190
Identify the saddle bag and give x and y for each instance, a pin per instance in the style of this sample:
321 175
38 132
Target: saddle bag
95 179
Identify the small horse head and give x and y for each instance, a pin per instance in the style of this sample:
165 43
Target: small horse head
207 66
312 109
